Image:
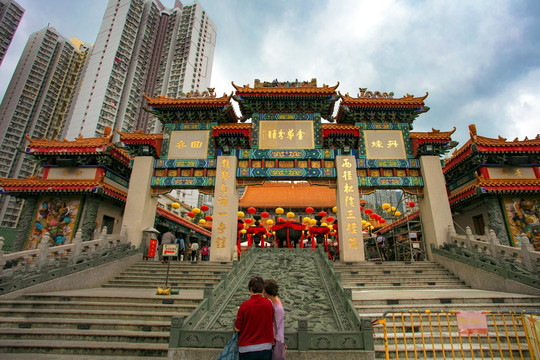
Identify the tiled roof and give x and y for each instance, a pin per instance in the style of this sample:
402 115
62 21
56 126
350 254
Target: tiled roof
486 144
77 143
34 184
433 135
79 146
180 220
495 186
189 101
232 126
407 100
333 127
288 195
139 135
325 90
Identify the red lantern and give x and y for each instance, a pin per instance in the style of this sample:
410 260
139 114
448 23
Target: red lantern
323 214
248 221
265 214
411 204
205 208
332 234
368 211
329 219
280 220
191 214
373 216
309 210
361 208
382 221
252 210
208 218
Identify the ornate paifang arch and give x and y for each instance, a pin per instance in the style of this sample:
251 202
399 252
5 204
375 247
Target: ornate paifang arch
280 135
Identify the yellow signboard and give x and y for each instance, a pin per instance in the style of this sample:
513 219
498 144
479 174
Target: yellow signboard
384 144
512 172
192 144
286 135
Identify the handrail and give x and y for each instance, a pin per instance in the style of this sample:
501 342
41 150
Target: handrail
44 253
524 256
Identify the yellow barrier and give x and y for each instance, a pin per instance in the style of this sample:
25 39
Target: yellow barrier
460 335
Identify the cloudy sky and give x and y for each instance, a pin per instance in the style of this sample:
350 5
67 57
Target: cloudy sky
479 60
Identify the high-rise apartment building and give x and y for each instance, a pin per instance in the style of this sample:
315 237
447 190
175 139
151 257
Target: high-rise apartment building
37 102
142 47
10 17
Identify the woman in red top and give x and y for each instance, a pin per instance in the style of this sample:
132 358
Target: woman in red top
255 322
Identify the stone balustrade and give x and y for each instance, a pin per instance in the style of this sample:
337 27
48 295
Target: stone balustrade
30 267
523 256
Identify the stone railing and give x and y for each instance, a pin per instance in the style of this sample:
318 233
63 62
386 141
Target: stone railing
203 328
30 267
521 264
524 256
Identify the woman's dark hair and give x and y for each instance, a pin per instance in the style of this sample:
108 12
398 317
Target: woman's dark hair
271 287
256 284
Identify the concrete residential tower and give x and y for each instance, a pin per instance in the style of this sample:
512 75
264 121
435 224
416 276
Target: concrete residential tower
10 17
36 103
142 47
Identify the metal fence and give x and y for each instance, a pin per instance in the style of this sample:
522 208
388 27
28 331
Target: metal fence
460 335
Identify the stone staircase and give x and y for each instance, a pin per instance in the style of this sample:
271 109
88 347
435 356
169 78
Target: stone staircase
397 275
123 319
379 287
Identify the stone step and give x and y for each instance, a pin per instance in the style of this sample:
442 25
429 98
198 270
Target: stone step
91 314
376 311
117 297
400 281
91 305
85 335
377 275
436 336
411 286
121 284
26 356
187 265
96 348
386 264
97 324
495 301
182 277
179 282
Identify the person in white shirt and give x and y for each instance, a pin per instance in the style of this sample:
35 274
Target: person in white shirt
194 249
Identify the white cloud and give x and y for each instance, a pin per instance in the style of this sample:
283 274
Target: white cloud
513 112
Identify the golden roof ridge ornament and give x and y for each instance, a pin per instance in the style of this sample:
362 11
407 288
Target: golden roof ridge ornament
377 94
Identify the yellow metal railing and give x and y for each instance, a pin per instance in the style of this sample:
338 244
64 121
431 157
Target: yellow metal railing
460 335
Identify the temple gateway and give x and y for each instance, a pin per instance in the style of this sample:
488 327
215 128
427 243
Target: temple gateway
287 131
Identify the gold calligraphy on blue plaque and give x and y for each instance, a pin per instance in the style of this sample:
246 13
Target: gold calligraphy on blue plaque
286 135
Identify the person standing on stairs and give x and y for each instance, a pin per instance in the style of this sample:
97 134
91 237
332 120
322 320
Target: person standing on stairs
181 246
255 324
194 250
270 292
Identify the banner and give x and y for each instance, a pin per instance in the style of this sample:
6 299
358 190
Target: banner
470 323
